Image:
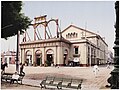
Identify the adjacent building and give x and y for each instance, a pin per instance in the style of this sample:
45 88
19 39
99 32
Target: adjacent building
75 47
8 57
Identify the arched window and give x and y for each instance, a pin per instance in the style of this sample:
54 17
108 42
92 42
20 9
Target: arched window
71 35
28 60
74 35
68 35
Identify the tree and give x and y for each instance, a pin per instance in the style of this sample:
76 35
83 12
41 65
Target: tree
12 19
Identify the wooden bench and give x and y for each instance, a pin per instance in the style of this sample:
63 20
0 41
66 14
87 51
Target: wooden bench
50 81
61 82
75 84
8 76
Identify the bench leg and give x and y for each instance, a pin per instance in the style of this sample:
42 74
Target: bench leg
21 82
44 86
11 81
69 85
41 85
59 87
79 87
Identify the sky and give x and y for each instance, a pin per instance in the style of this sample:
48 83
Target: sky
95 16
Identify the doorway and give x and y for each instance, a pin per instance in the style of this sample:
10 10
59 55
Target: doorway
49 57
38 58
28 60
65 56
65 61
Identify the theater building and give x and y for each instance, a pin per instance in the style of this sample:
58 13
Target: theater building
75 47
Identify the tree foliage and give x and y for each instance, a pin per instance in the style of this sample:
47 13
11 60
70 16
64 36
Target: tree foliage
12 19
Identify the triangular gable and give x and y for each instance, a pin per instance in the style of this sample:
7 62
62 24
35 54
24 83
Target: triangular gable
79 29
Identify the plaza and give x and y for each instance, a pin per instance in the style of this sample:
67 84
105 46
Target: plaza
34 76
66 44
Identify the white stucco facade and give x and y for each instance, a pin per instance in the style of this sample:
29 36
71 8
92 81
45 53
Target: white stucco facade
76 46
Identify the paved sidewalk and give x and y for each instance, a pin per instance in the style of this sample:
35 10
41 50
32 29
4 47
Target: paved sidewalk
37 82
34 75
32 82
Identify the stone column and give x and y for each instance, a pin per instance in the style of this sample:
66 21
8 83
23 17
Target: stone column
55 55
33 57
44 56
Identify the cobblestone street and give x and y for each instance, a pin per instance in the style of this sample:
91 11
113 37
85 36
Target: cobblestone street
34 75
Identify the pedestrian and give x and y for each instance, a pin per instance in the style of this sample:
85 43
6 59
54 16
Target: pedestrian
95 70
21 69
15 77
3 65
108 66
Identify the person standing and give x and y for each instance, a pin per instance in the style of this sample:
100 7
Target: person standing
21 69
95 70
3 65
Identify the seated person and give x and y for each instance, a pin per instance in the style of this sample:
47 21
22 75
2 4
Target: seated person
14 77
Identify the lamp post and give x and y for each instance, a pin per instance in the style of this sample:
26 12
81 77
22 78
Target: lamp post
17 53
114 79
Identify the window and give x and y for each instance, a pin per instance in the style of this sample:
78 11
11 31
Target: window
76 49
97 43
72 35
88 50
76 35
66 36
6 60
9 60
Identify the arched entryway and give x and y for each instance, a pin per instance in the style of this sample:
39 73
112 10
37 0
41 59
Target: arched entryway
49 57
28 60
38 55
65 62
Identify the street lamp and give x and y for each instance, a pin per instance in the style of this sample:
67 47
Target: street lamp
114 79
17 53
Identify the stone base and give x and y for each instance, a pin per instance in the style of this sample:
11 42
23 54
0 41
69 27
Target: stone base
105 88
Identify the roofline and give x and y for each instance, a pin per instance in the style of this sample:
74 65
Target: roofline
84 30
98 36
102 39
77 28
47 41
